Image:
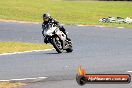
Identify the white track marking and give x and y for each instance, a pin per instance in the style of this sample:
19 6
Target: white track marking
4 80
25 79
80 25
41 77
25 52
120 27
15 21
91 25
98 26
129 71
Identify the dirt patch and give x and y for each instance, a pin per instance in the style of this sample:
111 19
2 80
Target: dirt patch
3 20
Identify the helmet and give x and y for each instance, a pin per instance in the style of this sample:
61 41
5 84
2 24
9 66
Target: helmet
46 17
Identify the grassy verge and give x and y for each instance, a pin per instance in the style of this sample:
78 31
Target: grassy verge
67 12
9 47
10 85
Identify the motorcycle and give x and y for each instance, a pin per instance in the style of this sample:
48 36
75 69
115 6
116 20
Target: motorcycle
57 38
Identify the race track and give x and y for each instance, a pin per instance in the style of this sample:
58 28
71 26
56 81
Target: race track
97 49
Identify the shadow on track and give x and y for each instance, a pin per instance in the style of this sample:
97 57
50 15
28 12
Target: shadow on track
52 53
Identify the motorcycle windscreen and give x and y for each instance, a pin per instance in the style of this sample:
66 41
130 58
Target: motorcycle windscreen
49 31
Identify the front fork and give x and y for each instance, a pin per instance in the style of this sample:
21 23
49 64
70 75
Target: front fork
57 37
47 39
63 43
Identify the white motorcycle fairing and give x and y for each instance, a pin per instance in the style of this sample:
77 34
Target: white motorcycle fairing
60 34
49 32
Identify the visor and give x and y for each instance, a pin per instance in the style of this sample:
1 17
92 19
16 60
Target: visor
46 19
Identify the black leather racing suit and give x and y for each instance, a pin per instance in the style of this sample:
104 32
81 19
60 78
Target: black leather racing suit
51 20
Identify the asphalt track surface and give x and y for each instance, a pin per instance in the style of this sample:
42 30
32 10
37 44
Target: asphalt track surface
98 50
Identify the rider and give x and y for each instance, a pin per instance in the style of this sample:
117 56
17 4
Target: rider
48 19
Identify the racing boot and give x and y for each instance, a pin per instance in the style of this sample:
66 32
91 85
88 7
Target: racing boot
45 40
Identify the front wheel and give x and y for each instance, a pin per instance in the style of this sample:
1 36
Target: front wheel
69 50
70 46
57 44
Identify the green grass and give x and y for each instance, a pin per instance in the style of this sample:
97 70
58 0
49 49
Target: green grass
67 12
9 47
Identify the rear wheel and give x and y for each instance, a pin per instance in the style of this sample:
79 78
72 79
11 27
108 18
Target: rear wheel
57 44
